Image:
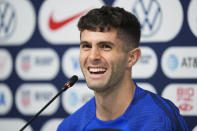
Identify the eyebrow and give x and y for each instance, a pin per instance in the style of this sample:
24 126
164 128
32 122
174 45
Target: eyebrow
83 42
106 42
99 43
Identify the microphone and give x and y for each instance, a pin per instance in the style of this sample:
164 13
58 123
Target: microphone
67 85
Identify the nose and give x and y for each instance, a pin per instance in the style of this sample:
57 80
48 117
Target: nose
95 54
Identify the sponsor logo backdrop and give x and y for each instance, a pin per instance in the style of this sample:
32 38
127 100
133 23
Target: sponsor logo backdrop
39 50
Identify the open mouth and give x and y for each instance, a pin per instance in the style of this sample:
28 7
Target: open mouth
97 70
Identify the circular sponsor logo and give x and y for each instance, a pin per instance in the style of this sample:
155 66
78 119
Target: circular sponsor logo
146 65
37 64
173 62
51 125
58 22
32 97
183 96
8 19
192 16
5 99
17 21
157 17
150 18
176 64
5 64
70 63
15 123
76 97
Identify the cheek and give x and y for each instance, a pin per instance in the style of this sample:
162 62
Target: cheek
81 60
119 62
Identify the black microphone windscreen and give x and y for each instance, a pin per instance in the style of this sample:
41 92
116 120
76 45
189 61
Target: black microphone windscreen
72 80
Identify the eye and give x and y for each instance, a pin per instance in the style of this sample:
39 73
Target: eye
106 46
85 45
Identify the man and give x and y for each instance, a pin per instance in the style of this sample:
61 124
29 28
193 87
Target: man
108 50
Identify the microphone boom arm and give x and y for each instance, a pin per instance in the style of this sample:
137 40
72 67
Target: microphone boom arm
67 85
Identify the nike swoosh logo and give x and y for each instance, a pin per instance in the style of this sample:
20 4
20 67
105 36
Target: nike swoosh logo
55 25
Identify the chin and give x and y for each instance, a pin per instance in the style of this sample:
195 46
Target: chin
97 87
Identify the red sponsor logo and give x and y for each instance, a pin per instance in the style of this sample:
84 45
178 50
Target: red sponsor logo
185 107
25 98
55 25
3 60
185 97
26 63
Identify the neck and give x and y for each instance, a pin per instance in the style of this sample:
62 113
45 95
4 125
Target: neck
113 103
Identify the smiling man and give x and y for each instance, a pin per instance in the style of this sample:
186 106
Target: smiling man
108 50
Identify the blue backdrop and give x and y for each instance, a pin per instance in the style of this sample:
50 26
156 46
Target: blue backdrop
38 55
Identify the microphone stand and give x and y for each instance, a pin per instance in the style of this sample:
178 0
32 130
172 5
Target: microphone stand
65 87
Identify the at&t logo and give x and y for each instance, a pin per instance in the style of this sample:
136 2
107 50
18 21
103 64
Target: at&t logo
172 62
180 62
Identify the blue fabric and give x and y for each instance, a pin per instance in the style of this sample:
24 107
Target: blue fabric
120 123
147 112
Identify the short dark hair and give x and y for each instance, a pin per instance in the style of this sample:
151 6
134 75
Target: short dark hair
107 17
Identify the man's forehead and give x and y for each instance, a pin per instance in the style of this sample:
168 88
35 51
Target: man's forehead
111 32
94 37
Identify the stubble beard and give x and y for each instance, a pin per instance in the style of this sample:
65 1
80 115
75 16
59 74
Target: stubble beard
110 83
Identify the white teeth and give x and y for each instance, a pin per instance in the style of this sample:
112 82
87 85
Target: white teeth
97 70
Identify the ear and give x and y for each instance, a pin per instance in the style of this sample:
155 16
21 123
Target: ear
133 56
